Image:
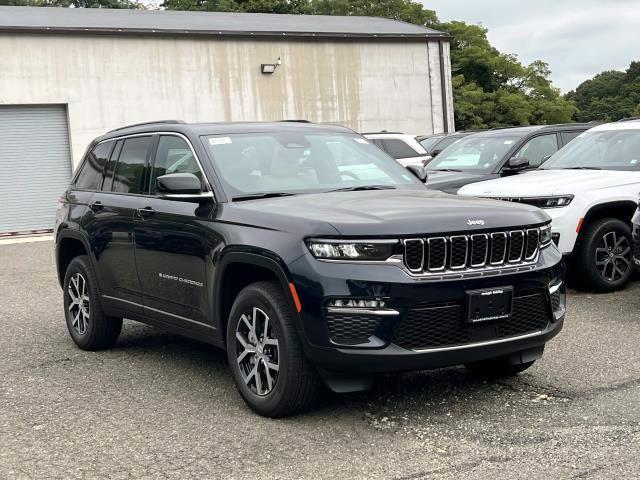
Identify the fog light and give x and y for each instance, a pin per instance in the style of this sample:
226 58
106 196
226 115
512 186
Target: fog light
349 303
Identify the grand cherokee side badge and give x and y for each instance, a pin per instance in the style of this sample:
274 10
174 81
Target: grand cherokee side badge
475 222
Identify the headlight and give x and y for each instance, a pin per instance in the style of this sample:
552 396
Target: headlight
553 202
352 250
545 235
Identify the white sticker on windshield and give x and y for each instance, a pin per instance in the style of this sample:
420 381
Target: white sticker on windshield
508 142
633 161
219 140
361 140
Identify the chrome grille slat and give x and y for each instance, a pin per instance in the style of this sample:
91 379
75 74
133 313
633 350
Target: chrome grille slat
498 238
475 252
516 246
414 254
437 247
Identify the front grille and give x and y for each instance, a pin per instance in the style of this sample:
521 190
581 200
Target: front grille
456 253
348 329
445 325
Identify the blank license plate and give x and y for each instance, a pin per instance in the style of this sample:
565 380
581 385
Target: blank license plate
490 304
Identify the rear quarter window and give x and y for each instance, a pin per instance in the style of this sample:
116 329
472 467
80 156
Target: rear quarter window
92 170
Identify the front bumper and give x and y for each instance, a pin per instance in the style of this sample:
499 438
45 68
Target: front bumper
384 350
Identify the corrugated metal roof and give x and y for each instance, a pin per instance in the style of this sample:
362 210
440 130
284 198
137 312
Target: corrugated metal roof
102 20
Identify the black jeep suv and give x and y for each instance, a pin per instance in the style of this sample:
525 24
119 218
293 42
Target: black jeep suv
305 252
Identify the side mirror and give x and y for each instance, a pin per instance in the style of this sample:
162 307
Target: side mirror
516 164
178 184
419 171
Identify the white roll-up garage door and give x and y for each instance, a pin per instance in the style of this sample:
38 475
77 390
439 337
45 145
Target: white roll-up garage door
35 165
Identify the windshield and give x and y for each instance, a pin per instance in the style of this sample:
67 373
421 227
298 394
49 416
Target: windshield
427 143
474 153
295 162
446 141
606 150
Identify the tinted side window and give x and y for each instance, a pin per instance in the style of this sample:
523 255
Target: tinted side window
398 149
173 156
131 165
568 136
111 166
90 177
537 148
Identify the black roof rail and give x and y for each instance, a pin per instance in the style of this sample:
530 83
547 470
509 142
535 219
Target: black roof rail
296 121
628 119
147 123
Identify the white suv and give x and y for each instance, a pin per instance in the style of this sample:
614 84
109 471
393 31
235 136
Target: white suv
404 148
590 190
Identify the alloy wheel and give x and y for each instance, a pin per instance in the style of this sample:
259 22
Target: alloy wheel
613 256
79 307
257 352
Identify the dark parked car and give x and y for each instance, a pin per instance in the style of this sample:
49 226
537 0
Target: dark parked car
434 144
305 252
498 152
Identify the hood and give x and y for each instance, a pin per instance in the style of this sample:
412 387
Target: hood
439 180
551 182
381 213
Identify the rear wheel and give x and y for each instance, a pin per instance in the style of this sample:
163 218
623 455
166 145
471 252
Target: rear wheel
88 326
264 352
605 257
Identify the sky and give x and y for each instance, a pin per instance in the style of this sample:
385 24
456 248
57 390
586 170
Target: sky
577 38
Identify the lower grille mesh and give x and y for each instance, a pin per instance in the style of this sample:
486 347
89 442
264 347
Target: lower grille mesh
430 326
349 329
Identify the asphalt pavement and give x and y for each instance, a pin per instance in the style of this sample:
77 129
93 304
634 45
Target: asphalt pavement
161 406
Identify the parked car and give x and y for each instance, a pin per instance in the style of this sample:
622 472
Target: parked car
404 148
635 233
498 153
590 189
305 252
434 144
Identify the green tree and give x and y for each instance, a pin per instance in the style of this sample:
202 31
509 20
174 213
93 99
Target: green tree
608 96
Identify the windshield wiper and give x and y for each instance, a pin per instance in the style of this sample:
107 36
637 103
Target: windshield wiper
255 196
364 187
445 170
581 168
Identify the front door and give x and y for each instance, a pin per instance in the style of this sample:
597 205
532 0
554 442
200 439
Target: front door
171 249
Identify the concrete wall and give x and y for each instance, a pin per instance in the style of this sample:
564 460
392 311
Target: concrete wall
111 81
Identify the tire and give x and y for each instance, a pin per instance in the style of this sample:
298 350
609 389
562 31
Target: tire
604 261
295 384
88 326
497 367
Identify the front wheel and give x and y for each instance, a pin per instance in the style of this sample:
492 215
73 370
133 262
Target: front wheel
605 257
271 372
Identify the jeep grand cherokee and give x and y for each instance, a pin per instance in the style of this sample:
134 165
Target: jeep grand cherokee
306 253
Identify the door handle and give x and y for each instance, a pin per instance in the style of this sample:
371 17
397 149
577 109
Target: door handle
96 206
145 212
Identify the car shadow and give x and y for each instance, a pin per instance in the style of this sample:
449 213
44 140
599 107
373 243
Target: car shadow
432 392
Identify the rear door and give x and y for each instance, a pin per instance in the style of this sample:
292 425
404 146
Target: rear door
110 220
171 250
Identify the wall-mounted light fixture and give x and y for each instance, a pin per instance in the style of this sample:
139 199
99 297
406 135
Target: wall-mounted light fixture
270 68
